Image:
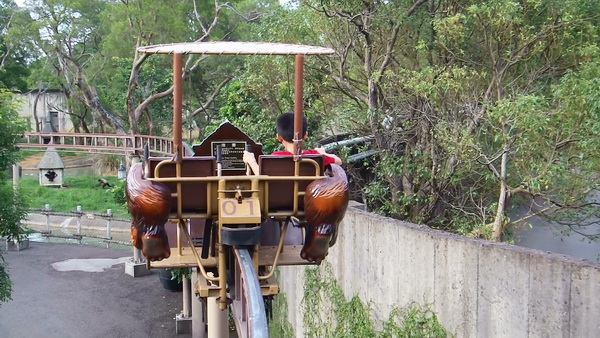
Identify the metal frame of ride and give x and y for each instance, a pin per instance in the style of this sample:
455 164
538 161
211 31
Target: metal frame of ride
242 271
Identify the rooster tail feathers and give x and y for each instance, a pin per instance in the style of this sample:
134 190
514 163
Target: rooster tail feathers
137 230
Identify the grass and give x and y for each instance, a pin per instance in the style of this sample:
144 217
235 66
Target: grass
79 190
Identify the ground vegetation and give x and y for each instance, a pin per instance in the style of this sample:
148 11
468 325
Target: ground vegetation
13 207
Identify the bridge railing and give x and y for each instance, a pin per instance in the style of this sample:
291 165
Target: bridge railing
118 143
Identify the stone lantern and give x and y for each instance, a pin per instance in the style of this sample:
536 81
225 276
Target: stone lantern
51 169
121 172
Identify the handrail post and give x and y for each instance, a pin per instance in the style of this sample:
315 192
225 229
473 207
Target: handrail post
79 223
108 226
47 210
15 171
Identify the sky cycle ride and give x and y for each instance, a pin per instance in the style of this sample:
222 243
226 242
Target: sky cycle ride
243 219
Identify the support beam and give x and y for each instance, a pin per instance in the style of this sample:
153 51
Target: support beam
218 319
298 104
183 321
198 319
177 104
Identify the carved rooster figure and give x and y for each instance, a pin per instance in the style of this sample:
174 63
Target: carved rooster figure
325 204
149 204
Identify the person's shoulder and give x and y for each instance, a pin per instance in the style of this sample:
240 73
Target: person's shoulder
310 152
281 152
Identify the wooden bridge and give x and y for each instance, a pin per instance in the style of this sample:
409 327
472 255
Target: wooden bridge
97 143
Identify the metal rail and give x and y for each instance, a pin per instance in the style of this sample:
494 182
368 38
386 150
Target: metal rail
248 308
107 143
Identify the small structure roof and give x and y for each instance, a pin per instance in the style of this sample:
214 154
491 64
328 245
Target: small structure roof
51 160
235 48
48 128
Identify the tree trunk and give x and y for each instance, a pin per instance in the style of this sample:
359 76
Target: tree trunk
35 115
498 225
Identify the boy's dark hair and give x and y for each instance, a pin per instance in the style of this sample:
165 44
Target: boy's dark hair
285 126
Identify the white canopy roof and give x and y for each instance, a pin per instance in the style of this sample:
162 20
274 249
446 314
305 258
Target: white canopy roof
234 47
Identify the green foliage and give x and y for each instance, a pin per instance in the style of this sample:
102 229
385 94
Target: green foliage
415 321
466 82
14 50
12 127
346 318
327 313
113 90
279 326
118 192
179 273
243 110
5 282
257 97
79 190
12 207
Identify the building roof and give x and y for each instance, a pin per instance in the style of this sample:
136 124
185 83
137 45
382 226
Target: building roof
235 48
51 160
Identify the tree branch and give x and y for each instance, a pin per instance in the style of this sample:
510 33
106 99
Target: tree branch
212 97
414 7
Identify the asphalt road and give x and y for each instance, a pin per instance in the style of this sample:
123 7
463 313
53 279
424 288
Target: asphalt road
56 296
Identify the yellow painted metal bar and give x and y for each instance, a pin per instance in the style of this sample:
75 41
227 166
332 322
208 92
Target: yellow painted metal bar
255 257
221 255
296 185
234 178
179 208
279 250
202 270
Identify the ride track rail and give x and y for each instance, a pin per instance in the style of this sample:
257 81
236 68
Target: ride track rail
247 307
98 143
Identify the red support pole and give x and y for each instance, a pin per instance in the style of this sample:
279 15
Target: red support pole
177 104
298 103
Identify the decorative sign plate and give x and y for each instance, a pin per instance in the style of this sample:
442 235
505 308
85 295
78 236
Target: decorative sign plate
246 211
232 152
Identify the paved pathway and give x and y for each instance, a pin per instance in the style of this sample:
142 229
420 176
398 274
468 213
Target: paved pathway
53 297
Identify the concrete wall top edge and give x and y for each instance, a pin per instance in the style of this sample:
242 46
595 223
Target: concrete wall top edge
439 234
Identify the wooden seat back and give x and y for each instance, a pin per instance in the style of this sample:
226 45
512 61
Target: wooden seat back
281 193
193 194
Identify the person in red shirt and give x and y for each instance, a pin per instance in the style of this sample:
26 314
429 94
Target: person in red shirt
285 135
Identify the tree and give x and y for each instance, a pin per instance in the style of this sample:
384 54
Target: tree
204 21
521 50
93 43
13 208
70 39
13 50
453 90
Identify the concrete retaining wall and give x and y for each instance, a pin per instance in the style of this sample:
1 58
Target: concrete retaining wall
476 288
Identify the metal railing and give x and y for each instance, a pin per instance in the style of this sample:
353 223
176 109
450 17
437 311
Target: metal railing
80 226
104 143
